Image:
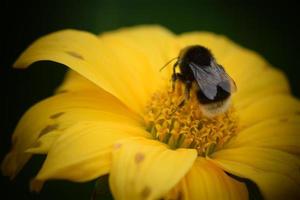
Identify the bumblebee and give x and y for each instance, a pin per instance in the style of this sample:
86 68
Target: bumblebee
198 66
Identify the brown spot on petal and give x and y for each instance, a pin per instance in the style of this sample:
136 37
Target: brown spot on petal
145 192
35 144
75 55
61 91
56 115
283 120
179 195
139 157
48 129
117 146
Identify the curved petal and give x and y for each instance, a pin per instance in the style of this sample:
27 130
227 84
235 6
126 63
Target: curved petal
82 52
275 172
97 60
75 82
269 82
251 72
44 143
207 181
254 77
281 133
274 106
57 113
147 169
147 48
83 152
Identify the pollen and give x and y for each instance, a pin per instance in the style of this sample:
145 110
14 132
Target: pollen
185 126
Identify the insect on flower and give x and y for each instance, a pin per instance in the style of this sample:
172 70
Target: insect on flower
213 85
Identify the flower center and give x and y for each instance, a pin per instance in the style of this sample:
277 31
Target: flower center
185 126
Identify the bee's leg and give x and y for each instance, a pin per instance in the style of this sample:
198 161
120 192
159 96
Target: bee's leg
175 76
178 106
181 103
188 86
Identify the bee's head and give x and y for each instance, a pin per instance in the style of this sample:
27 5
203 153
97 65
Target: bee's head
196 54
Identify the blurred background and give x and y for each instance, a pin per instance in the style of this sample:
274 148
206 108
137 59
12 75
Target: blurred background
269 28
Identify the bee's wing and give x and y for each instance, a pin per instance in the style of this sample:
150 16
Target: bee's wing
208 78
227 83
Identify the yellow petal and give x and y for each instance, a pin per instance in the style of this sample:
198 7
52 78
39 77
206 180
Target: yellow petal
254 77
266 108
85 139
57 113
147 49
278 133
251 72
98 61
83 152
82 52
76 82
269 82
44 143
147 169
207 181
275 172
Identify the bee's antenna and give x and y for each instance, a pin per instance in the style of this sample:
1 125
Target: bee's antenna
168 63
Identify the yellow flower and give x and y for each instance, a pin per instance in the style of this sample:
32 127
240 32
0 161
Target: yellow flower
112 116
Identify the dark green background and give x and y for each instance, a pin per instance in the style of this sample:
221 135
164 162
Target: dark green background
268 28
